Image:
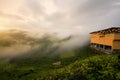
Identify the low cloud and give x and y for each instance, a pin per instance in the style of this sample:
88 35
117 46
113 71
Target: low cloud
17 42
61 17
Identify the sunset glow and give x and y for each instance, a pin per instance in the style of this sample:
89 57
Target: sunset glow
59 16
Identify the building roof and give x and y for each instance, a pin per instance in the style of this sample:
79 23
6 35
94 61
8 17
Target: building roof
108 30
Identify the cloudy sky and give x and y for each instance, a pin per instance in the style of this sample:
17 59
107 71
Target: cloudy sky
65 17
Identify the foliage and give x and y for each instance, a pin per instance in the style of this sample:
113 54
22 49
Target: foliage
100 67
35 66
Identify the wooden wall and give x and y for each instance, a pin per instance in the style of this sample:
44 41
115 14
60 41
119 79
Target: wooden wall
117 36
116 45
105 39
112 39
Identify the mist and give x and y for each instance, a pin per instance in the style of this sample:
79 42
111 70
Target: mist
15 43
29 25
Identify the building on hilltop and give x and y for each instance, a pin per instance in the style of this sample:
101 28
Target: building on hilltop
106 40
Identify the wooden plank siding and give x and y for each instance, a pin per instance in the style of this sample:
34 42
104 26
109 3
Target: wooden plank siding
105 40
107 37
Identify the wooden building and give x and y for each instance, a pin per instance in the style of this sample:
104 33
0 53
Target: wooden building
106 40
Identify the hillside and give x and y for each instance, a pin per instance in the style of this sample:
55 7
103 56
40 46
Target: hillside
24 57
99 67
82 63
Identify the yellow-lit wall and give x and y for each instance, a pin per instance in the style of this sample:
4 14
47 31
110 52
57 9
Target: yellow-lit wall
116 42
106 39
116 45
112 39
117 36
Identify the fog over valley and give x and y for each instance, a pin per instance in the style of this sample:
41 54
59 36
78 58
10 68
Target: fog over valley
64 24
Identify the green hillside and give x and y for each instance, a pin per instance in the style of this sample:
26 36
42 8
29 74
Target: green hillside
101 67
80 64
